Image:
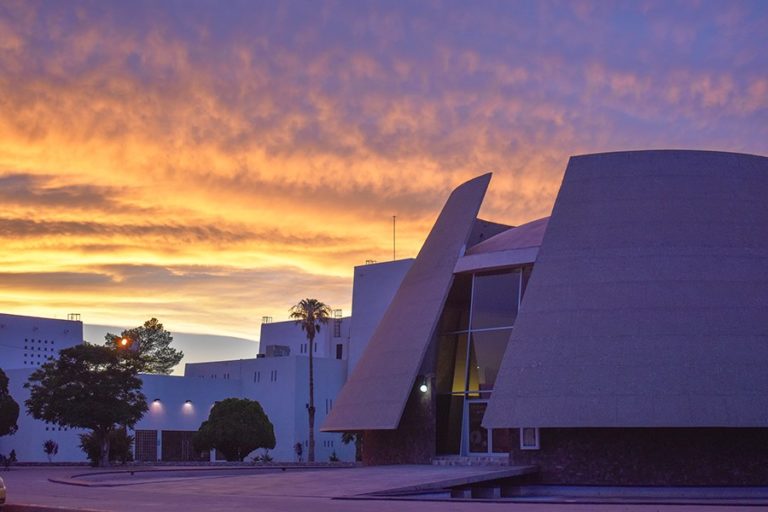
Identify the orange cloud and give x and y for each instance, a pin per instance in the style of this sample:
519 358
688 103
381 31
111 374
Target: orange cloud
269 145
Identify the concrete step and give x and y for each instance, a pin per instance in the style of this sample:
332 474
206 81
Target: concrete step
471 460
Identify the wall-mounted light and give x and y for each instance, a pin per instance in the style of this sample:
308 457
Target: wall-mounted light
188 402
423 387
156 401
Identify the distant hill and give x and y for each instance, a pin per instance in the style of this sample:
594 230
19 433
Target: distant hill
197 348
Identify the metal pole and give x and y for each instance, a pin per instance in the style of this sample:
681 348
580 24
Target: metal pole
393 237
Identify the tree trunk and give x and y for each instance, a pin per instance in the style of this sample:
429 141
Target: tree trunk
104 462
311 409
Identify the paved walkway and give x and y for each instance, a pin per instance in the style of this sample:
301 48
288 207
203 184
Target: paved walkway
311 490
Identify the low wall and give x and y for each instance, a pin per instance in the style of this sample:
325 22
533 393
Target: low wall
649 456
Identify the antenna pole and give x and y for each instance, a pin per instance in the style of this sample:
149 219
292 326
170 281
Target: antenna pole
393 237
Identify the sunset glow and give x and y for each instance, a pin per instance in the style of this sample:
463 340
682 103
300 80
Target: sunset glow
210 163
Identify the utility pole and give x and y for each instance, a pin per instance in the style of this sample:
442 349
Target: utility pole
394 217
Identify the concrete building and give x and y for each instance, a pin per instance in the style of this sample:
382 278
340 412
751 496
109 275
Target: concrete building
29 341
621 341
277 377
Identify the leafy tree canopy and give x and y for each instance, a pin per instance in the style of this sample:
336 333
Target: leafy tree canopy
9 409
90 387
152 344
235 427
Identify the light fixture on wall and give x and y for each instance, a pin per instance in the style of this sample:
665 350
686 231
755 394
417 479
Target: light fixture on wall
423 387
188 403
156 401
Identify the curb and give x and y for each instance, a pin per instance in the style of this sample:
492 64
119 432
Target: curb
80 479
31 507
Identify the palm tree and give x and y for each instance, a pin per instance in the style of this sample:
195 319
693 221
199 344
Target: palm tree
310 314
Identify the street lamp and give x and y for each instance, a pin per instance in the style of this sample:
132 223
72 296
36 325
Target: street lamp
127 343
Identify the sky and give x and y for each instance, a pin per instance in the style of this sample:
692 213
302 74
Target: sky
210 163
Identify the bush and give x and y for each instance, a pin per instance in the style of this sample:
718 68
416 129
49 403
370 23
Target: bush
120 444
51 448
263 458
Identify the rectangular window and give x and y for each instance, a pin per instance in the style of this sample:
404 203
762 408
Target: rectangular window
177 446
337 328
145 442
485 353
529 438
495 297
339 350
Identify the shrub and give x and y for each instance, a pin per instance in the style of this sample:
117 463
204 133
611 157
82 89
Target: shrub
120 444
51 448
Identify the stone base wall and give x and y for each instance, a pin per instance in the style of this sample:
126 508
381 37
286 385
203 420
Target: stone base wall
413 442
647 456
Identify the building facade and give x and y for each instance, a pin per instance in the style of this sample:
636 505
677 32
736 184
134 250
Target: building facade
277 377
620 341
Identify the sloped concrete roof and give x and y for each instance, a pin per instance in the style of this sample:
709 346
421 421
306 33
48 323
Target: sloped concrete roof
375 394
521 237
512 247
648 303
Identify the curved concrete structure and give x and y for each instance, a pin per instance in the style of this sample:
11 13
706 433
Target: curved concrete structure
648 303
376 393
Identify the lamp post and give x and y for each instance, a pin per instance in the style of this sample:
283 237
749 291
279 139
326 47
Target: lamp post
127 343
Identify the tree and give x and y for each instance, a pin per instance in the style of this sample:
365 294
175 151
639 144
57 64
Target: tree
357 438
9 409
152 343
90 387
310 314
235 427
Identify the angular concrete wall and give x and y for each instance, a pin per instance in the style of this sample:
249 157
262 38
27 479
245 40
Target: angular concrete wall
373 288
648 303
376 393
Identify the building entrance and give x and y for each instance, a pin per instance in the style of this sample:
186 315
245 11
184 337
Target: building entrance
473 333
479 440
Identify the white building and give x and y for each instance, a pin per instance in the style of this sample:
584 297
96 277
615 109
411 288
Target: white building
277 378
29 341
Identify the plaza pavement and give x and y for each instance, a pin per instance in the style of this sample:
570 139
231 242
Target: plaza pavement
313 490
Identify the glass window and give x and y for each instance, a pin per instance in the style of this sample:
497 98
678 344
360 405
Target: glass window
455 315
494 299
526 276
451 363
478 436
449 412
485 355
